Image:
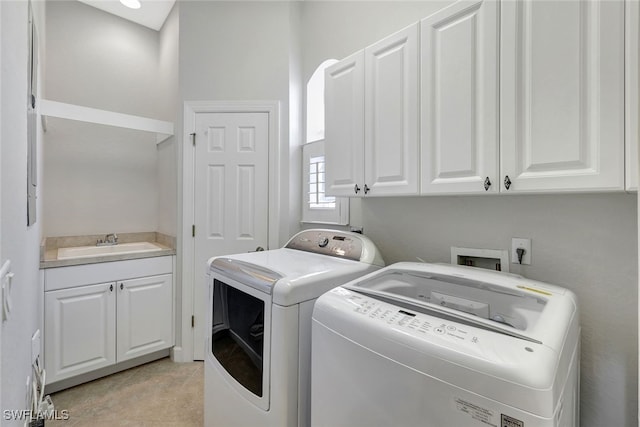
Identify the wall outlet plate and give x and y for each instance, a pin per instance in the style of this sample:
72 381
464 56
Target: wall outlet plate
525 244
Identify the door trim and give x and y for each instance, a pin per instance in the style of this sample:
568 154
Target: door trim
183 351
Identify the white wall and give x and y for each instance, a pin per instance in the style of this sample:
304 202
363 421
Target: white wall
19 243
241 51
100 179
167 156
587 243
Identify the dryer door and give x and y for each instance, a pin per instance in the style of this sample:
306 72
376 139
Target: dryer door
240 339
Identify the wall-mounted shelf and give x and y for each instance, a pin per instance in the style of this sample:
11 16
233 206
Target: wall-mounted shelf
162 129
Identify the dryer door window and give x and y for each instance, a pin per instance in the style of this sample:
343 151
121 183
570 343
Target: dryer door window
238 335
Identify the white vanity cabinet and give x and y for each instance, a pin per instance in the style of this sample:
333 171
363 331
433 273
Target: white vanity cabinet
97 315
371 114
459 99
562 96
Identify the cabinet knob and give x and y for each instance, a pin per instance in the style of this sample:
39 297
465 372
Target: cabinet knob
356 189
487 184
111 288
507 182
366 189
121 286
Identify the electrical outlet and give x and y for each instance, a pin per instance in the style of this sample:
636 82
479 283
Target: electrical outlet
525 244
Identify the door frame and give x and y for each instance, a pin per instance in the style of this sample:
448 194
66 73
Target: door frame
183 351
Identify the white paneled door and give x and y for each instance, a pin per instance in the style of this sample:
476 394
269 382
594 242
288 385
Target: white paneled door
231 195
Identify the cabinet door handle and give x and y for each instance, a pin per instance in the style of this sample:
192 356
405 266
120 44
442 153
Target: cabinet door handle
121 286
507 182
487 184
366 189
356 189
111 288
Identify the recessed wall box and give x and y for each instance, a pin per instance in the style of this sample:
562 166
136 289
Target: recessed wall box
490 259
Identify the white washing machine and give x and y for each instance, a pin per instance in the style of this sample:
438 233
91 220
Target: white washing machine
258 350
445 346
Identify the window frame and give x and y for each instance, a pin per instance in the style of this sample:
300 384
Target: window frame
339 215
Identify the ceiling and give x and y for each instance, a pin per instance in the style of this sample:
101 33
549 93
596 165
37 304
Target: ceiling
151 14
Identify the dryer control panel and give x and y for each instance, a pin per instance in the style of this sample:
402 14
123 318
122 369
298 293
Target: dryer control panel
329 242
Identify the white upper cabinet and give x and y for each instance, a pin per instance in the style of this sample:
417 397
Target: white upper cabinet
459 99
391 115
344 126
562 96
371 115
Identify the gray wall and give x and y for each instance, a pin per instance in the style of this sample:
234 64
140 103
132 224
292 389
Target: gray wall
100 179
242 51
167 156
587 243
18 243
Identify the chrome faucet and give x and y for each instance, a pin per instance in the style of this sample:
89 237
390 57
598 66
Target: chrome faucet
109 239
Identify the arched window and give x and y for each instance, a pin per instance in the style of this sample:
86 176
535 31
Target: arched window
315 102
317 206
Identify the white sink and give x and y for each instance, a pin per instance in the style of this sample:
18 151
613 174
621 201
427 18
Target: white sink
119 249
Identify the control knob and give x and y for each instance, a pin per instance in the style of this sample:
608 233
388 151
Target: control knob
323 242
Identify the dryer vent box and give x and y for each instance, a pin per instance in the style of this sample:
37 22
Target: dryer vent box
490 259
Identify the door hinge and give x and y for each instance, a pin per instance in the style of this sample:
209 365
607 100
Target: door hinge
193 138
193 231
193 321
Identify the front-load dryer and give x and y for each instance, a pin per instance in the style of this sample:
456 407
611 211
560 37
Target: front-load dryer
258 349
445 346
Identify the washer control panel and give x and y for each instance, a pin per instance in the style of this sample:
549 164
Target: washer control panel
329 242
410 321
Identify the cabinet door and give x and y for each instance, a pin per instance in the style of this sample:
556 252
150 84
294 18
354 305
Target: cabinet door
562 95
145 316
459 95
391 115
344 126
80 330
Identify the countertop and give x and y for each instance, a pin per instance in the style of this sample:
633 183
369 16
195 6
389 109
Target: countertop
50 245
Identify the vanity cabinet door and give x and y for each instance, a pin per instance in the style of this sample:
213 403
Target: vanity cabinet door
80 331
562 96
459 94
145 316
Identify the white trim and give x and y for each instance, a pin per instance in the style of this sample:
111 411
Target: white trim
186 243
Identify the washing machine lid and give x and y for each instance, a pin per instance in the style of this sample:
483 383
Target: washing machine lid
499 302
290 276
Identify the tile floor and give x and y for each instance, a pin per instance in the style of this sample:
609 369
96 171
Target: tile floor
160 393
